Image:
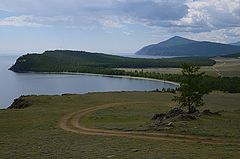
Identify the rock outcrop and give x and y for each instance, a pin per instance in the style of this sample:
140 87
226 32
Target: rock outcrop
20 103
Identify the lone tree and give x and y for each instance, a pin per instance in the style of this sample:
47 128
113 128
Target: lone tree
191 88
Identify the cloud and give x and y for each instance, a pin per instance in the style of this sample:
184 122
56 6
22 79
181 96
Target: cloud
153 10
20 21
52 7
222 35
104 11
175 16
211 15
35 21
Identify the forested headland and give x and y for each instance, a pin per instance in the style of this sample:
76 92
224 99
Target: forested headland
97 63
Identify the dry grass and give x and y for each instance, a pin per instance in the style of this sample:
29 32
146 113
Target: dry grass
34 133
226 67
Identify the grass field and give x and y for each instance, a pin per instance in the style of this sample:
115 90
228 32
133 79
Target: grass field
34 132
226 67
137 117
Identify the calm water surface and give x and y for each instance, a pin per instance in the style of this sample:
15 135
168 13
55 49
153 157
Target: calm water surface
13 85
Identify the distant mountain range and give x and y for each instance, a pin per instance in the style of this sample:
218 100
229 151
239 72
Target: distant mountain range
178 46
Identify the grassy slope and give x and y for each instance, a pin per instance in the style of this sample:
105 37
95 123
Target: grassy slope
136 117
73 61
33 132
228 67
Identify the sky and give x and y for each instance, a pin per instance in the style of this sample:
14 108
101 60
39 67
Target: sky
112 26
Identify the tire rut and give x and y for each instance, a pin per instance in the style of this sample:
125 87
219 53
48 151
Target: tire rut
71 123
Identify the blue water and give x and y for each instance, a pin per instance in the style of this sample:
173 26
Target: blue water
13 85
144 56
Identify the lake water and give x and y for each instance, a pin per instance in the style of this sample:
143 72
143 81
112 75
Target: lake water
145 56
13 85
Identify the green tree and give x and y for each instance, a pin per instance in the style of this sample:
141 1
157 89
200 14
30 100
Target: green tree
191 88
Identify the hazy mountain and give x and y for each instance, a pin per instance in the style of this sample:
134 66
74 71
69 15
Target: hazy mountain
178 46
236 44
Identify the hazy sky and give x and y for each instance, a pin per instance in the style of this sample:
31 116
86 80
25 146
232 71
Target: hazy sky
112 26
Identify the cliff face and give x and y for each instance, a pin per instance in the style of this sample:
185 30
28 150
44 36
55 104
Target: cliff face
20 103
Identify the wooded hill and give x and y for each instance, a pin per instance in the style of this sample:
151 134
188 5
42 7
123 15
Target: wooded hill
80 61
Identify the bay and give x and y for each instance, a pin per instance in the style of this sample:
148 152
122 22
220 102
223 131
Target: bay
13 85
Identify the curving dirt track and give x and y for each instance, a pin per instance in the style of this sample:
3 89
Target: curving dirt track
71 122
216 68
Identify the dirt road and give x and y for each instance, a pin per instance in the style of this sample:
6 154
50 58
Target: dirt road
71 122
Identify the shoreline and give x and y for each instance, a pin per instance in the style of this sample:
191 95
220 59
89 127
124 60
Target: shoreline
104 75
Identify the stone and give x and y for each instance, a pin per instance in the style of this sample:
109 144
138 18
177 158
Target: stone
135 150
188 117
159 116
110 156
208 112
170 124
174 112
20 103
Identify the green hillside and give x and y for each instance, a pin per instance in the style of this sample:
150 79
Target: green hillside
79 61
